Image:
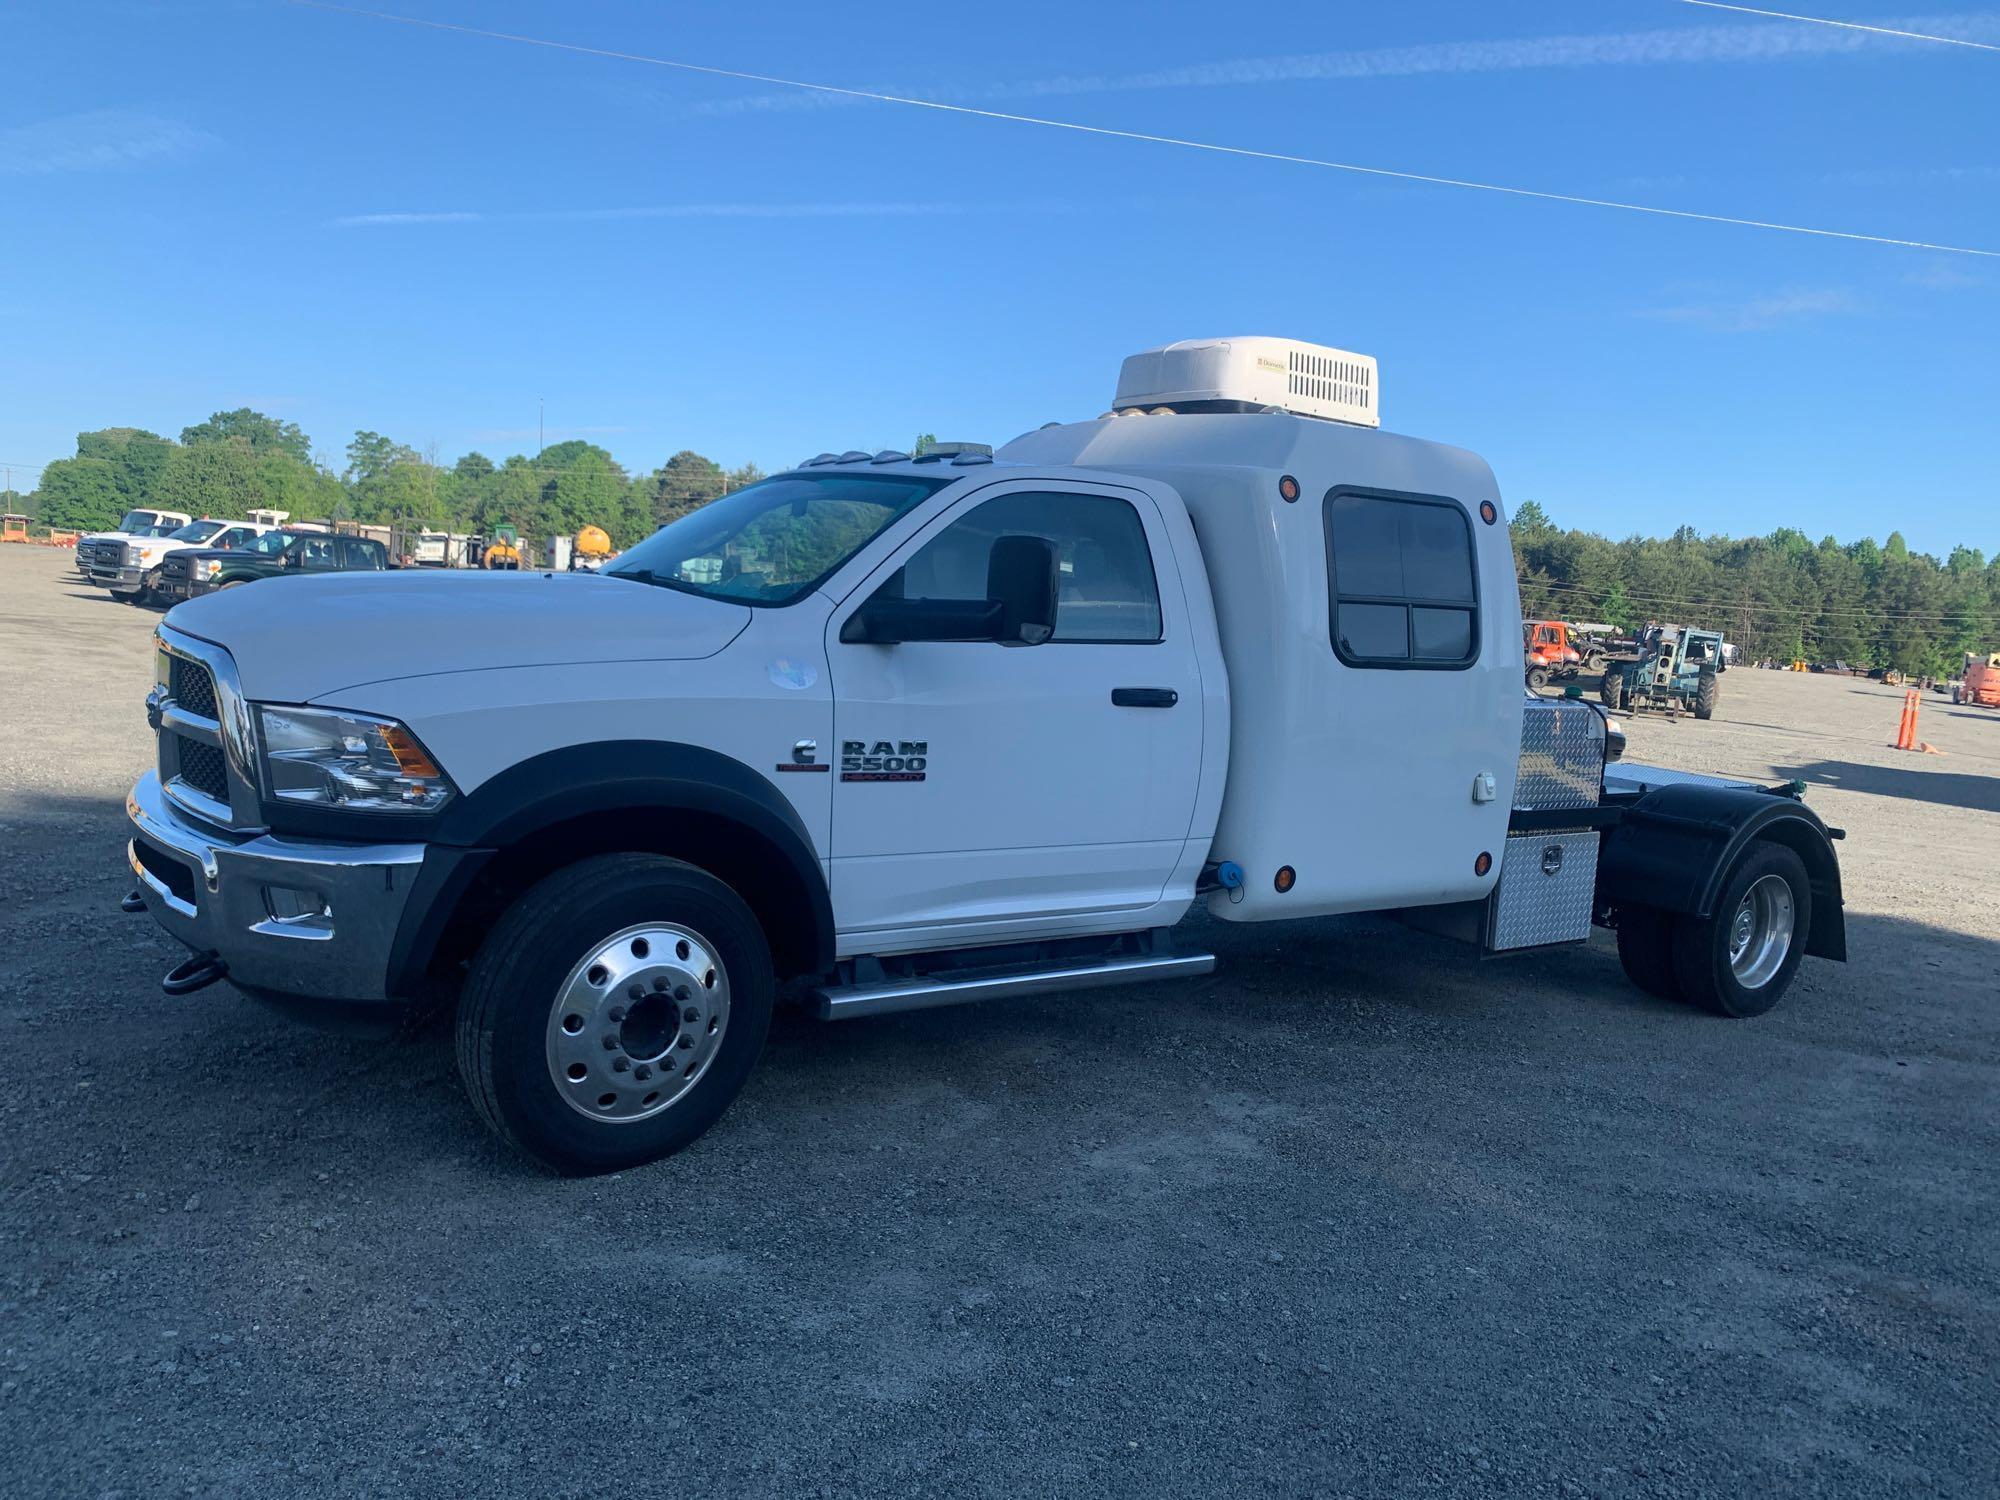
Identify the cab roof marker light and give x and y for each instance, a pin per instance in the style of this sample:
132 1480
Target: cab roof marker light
852 456
890 456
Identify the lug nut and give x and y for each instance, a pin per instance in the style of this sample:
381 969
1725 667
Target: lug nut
616 1013
682 993
642 1072
637 992
610 1041
690 1014
659 984
619 1065
687 1042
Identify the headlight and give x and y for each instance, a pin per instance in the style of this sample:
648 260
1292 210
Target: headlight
327 759
211 567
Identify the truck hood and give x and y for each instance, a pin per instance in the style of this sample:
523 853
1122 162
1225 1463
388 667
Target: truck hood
297 639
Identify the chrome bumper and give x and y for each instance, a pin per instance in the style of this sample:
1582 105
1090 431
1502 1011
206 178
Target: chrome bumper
242 901
117 578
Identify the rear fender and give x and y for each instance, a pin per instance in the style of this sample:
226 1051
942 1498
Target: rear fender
1675 847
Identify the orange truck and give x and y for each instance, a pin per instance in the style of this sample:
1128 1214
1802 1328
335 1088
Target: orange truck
1981 683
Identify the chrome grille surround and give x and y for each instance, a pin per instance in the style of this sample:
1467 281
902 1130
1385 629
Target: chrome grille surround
217 719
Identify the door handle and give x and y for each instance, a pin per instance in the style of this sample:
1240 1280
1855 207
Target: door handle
1144 697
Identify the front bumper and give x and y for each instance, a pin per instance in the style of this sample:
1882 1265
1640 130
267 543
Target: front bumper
238 897
177 588
118 580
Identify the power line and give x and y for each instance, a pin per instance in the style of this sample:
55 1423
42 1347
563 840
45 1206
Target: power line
1136 135
1786 15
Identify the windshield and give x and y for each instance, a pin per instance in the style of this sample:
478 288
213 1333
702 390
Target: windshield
774 542
194 531
140 523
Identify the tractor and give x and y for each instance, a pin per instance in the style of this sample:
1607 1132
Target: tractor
1676 668
1555 650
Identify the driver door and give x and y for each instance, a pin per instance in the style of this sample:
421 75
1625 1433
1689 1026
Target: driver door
1020 788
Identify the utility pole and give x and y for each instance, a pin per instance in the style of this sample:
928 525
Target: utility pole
541 442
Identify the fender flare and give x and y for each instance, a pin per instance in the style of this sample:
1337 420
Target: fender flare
629 778
1674 848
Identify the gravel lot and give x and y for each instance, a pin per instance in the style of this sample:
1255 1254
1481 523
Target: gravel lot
1361 1214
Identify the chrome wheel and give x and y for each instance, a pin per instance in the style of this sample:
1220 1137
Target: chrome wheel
1760 933
637 1022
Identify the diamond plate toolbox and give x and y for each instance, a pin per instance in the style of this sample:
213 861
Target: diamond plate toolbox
1562 756
1547 884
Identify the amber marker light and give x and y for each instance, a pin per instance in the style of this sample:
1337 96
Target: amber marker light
1287 878
1288 487
1482 864
409 754
1487 513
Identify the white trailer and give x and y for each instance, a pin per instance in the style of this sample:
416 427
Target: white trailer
896 732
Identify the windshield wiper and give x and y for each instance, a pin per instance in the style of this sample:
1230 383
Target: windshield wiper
647 575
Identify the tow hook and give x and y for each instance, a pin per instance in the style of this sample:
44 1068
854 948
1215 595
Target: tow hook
133 903
196 973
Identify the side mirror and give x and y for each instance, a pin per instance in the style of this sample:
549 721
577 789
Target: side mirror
1022 575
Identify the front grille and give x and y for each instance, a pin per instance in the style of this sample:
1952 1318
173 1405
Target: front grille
202 767
191 685
170 872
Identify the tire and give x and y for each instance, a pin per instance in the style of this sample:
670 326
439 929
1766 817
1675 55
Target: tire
1705 694
1711 975
599 974
1538 679
1646 950
1613 691
1594 662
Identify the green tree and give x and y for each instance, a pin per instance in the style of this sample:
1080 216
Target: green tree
685 482
136 457
261 434
924 443
217 479
81 493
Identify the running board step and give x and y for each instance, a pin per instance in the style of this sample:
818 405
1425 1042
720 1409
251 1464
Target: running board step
844 1001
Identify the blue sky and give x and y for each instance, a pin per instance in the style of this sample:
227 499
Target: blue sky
355 224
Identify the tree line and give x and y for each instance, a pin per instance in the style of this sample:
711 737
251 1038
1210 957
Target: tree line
1782 596
242 460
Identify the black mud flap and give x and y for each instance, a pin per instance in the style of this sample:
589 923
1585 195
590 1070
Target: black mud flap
1675 845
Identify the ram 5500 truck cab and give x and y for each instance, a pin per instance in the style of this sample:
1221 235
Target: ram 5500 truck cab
891 731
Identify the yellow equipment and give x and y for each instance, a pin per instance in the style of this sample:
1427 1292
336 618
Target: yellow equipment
504 551
14 528
593 542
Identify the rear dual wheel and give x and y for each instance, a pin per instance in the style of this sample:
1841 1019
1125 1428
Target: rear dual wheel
614 1012
1739 960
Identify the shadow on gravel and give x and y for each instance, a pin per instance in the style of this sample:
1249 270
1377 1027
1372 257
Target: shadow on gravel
1972 792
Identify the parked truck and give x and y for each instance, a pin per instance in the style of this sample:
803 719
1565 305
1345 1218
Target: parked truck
95 548
885 732
133 570
195 571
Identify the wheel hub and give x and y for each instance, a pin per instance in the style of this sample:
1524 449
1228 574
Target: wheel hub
637 1022
1760 932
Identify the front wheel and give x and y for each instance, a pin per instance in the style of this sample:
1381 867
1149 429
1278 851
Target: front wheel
1538 679
1705 693
1613 691
614 1012
1740 960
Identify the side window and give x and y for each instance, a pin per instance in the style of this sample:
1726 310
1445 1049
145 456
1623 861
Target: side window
1106 590
319 553
233 538
1402 581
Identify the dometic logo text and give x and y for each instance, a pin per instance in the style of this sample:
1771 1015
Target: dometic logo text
884 760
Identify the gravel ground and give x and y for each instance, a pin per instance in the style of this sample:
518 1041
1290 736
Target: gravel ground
1361 1214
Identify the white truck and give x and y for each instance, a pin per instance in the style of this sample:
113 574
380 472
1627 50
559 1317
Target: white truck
144 521
130 568
885 732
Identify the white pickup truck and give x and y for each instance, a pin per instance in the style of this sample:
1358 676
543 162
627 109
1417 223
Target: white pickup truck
885 732
107 546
